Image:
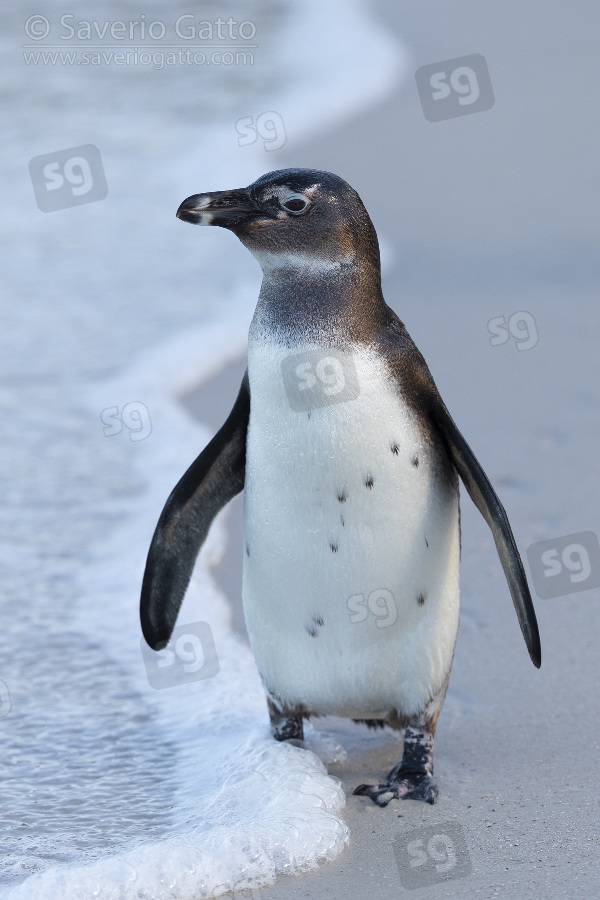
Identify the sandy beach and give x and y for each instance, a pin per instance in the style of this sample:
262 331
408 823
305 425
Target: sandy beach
486 215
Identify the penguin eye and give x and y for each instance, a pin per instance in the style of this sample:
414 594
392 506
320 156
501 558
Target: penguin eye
295 204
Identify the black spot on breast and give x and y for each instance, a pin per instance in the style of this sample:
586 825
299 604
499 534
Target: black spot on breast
415 461
309 414
334 548
426 542
369 482
318 620
247 550
311 630
421 599
395 448
342 496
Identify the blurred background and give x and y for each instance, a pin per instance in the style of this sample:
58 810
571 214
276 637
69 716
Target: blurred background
471 133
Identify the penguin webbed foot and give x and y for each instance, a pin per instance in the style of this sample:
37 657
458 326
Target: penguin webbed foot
412 778
413 787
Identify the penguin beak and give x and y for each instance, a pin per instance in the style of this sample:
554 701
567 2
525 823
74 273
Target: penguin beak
224 208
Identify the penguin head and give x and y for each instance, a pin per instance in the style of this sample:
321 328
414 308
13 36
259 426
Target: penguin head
292 218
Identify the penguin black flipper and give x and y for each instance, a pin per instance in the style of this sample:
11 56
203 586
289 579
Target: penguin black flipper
409 367
487 502
215 477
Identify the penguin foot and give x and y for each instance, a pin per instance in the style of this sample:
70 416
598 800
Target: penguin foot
420 787
286 725
412 778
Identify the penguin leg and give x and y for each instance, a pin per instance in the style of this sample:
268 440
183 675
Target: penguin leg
412 778
285 724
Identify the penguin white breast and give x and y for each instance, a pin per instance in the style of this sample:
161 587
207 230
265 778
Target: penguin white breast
351 565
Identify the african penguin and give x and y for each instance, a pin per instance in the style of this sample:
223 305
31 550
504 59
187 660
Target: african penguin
349 461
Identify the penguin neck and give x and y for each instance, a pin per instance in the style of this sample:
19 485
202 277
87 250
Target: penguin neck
303 299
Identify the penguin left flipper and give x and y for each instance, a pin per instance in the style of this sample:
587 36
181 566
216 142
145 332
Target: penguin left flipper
215 477
404 357
487 502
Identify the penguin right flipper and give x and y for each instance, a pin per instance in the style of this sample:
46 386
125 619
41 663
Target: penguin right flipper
215 477
487 502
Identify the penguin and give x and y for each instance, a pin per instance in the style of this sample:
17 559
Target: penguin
350 462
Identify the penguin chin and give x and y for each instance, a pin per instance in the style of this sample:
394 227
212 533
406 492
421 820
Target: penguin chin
272 262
